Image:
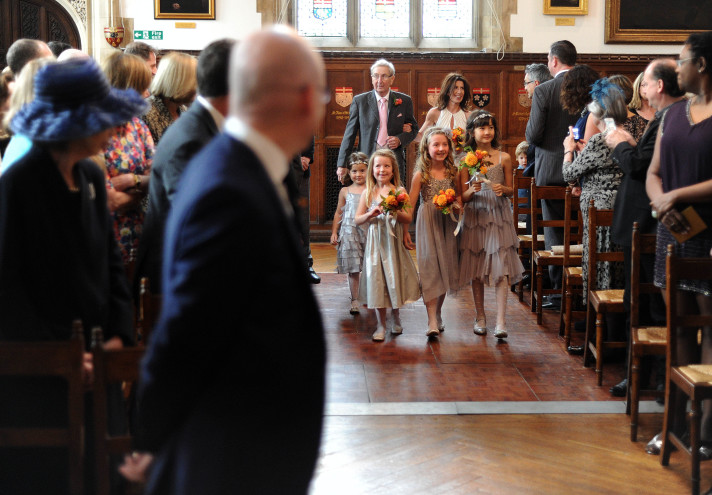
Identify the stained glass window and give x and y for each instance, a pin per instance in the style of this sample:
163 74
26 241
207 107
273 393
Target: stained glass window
447 18
385 18
323 18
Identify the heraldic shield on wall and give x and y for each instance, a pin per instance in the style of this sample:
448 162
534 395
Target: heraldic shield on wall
343 96
481 97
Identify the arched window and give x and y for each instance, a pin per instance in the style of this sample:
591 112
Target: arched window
439 24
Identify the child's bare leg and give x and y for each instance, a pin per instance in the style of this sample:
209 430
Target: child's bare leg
501 290
353 279
432 309
380 334
478 295
397 327
438 314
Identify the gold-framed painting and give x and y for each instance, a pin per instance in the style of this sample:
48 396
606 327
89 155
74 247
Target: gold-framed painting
184 9
640 21
566 7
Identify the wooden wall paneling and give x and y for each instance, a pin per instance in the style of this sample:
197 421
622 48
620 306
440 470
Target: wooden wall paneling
517 108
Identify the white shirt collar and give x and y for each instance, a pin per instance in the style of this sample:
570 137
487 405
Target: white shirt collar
216 115
378 97
561 72
270 155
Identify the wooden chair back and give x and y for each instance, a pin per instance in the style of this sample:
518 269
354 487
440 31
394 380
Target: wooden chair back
642 244
539 193
573 224
149 309
119 366
693 380
598 218
519 204
51 359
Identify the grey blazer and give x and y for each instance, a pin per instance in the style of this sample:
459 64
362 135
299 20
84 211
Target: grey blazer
364 122
547 127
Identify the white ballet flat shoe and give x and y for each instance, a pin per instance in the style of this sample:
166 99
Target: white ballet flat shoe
432 332
397 329
500 332
379 335
481 326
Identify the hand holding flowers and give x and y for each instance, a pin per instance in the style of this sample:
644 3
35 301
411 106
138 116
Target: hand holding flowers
458 139
395 201
476 162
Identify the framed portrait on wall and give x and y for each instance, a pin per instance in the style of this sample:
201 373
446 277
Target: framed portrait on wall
184 9
642 21
566 7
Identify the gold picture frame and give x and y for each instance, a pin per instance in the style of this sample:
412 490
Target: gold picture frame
649 28
566 7
184 9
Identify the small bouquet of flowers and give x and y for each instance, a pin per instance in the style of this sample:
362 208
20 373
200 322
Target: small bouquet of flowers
458 139
395 201
475 161
444 200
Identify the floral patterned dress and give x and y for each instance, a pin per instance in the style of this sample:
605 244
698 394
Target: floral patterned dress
130 151
600 179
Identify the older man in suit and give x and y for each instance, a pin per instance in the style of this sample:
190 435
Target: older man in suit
660 88
377 118
547 127
179 144
232 386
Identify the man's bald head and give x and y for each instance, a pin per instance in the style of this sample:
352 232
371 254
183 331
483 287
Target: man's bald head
24 50
276 84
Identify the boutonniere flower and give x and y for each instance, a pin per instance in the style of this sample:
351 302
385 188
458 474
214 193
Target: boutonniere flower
397 101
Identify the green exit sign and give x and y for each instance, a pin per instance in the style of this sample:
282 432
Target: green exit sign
148 35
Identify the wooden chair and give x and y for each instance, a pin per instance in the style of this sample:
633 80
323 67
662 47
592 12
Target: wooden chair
525 238
600 302
694 380
149 309
572 276
644 340
544 258
110 367
58 359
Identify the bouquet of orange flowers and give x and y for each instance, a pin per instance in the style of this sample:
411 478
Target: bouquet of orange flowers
458 139
475 161
395 201
444 200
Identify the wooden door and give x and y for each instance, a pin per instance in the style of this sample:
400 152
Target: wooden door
44 20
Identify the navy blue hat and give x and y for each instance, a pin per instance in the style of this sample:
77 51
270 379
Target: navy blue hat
73 100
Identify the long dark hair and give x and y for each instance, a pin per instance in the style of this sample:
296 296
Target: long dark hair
481 118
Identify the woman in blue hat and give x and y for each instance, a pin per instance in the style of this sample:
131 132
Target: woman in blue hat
59 260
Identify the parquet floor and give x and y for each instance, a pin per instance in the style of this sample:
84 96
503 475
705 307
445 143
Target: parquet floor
465 414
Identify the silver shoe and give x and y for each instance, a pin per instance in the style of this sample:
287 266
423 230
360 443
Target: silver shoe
441 325
397 329
354 307
655 446
379 335
480 328
432 332
500 333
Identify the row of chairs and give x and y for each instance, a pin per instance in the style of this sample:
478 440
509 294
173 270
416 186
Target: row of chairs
64 360
693 380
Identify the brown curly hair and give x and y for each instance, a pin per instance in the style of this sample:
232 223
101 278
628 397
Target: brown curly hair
576 88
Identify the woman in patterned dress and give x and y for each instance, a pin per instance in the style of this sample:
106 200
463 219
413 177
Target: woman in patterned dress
598 176
128 156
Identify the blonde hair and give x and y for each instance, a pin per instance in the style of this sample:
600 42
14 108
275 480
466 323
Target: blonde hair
125 71
371 180
425 160
522 147
176 77
637 101
24 91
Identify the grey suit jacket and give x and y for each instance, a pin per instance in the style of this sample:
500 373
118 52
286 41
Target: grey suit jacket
364 122
547 127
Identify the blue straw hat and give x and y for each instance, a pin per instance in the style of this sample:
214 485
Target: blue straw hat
73 100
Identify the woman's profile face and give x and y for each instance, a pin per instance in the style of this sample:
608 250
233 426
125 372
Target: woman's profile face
457 93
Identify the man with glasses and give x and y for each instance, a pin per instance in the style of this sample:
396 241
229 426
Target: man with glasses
377 118
660 88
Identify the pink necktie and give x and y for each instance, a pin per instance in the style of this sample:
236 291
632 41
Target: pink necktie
383 127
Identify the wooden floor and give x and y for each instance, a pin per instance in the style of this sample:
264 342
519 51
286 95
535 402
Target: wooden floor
465 414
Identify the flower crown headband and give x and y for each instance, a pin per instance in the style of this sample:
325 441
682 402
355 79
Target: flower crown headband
602 89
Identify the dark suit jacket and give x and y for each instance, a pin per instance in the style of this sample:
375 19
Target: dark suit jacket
232 386
181 141
632 202
364 123
547 127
